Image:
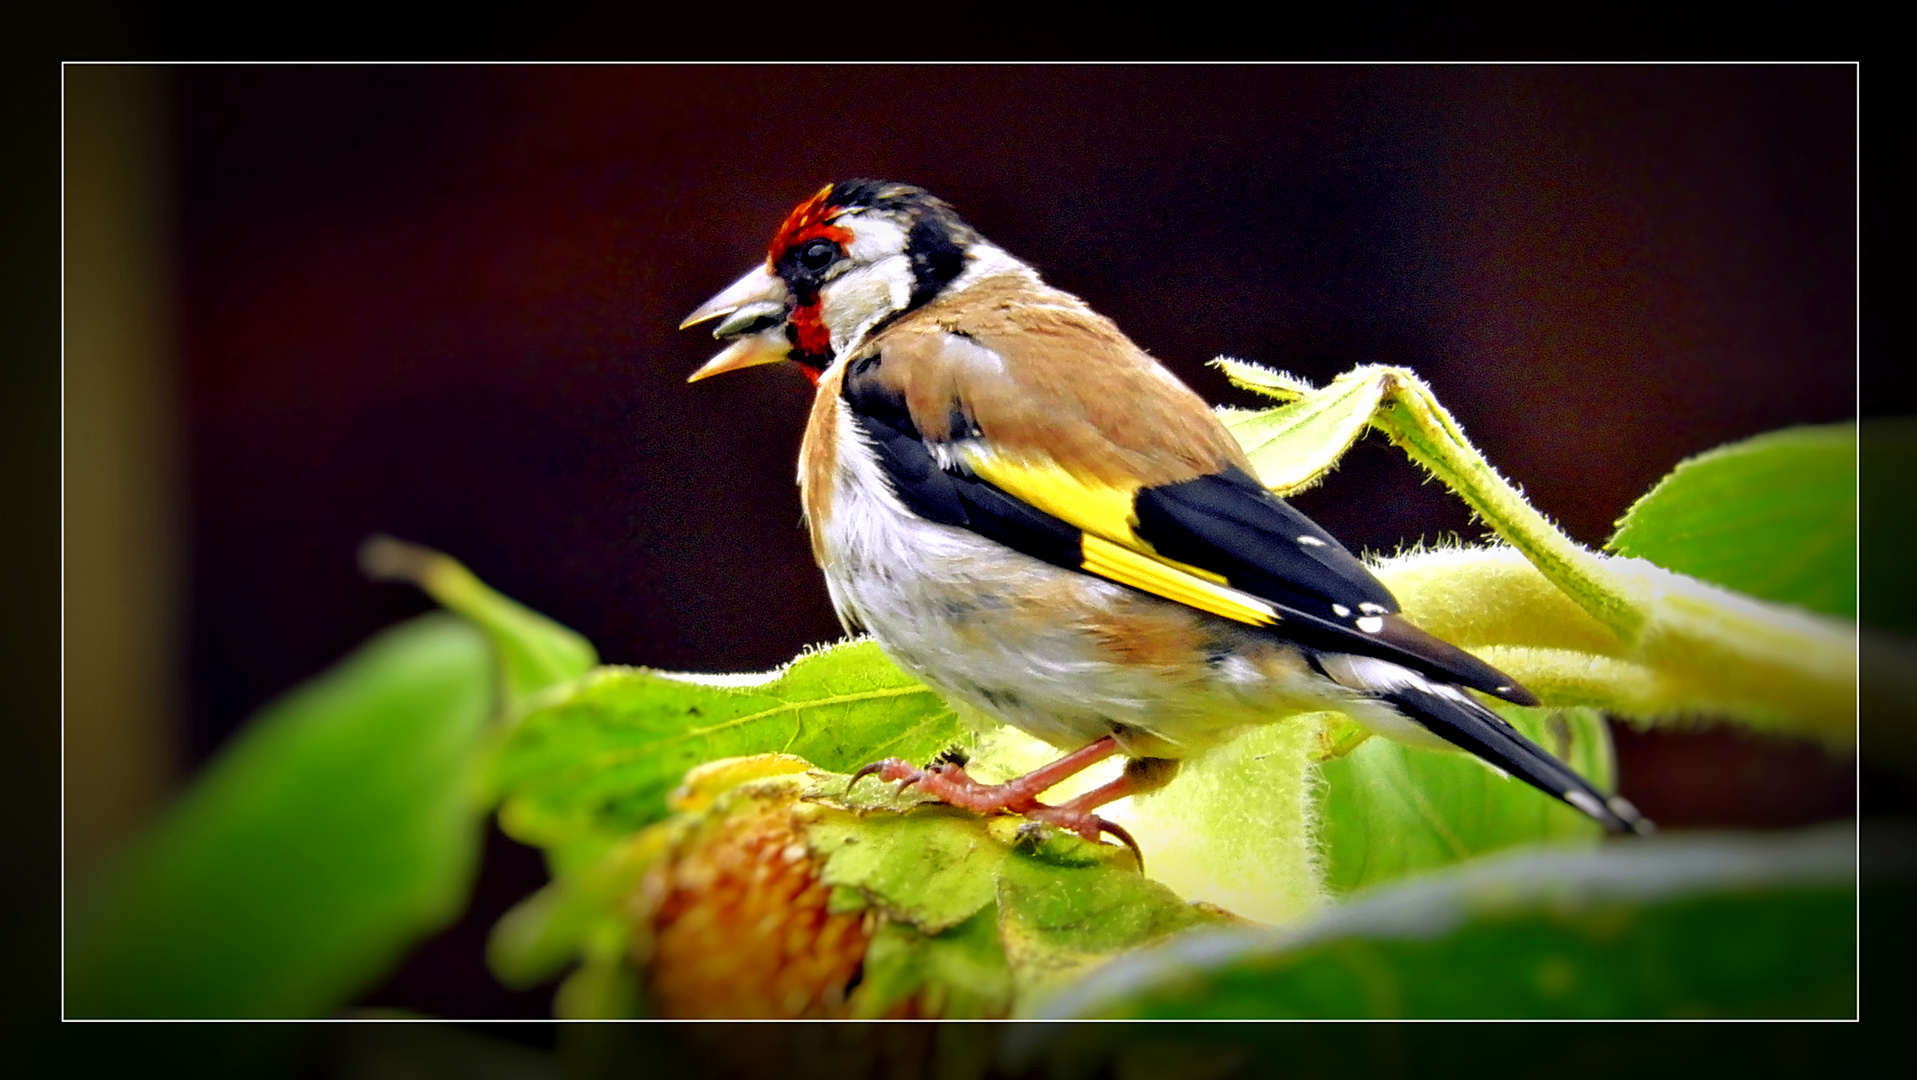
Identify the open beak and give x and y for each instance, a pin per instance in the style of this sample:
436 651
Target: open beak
754 323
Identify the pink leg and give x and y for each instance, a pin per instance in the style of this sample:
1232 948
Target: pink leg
1141 775
951 785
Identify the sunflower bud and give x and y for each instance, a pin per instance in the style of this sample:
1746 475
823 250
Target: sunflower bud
739 922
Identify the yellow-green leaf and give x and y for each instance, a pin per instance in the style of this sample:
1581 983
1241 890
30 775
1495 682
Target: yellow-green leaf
1391 810
1294 445
596 762
1773 516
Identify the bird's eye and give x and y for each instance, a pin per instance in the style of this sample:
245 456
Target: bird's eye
818 254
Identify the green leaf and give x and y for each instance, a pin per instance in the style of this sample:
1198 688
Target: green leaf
1774 516
337 829
1887 516
601 988
1705 651
956 974
1290 1051
1686 647
1887 594
1239 825
1294 445
546 931
534 651
971 916
933 868
1066 908
976 908
1391 810
597 762
1698 926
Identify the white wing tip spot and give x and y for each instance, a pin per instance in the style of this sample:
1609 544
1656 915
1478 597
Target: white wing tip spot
1370 608
1311 541
1585 803
1371 624
1341 611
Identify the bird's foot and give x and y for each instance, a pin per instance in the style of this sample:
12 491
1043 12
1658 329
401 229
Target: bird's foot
951 784
1085 826
948 782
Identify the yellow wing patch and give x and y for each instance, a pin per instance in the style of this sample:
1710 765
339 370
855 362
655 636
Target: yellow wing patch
1100 509
1111 547
1160 578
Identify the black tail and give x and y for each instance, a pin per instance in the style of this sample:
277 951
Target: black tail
1470 726
1453 715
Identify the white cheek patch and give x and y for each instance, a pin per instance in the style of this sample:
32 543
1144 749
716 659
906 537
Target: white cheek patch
854 302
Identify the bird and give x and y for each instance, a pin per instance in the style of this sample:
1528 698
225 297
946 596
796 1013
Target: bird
1033 516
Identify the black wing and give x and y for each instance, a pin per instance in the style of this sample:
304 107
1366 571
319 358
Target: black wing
1318 593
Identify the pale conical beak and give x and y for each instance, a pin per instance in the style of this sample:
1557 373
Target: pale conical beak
754 307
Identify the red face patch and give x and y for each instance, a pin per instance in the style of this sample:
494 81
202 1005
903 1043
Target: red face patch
808 327
812 219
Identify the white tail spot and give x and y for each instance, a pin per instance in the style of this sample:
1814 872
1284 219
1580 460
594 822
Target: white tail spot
1586 803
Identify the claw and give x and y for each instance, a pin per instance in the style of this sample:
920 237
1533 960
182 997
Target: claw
1119 831
905 774
877 766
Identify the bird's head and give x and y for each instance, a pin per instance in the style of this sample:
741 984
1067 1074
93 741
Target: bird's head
846 261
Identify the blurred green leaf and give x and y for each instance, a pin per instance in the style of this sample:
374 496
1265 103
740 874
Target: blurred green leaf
1887 518
601 988
337 829
1696 926
596 764
955 974
1281 1051
1774 516
546 931
1391 810
534 651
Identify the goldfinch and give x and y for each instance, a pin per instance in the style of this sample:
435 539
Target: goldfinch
1033 516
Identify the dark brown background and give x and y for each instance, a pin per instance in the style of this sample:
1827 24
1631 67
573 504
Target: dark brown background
440 302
